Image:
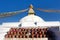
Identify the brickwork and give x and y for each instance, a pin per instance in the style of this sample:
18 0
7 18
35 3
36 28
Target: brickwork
27 33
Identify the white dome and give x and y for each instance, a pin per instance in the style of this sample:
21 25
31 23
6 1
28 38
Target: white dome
32 18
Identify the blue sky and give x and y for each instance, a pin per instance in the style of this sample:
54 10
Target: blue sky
15 5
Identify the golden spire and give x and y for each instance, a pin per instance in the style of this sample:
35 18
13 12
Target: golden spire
31 11
31 6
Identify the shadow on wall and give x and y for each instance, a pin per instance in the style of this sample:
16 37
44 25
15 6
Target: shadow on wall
53 33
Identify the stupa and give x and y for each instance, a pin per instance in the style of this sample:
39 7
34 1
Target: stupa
30 27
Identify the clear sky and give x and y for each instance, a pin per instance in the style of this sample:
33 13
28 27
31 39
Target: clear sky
13 5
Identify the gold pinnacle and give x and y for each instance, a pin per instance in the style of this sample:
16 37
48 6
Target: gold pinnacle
31 6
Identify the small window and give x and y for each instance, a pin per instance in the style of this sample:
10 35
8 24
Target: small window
35 23
20 25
